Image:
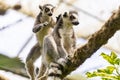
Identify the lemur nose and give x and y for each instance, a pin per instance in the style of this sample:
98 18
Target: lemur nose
75 23
50 14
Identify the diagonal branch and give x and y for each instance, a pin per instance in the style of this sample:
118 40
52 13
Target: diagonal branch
94 43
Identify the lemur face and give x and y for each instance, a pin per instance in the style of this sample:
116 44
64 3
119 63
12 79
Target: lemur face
47 9
72 17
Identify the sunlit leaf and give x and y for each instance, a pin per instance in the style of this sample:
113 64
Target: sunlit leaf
89 74
117 61
109 78
110 69
101 70
110 72
107 57
113 55
95 73
105 79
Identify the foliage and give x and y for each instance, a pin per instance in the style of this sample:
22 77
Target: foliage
111 72
13 65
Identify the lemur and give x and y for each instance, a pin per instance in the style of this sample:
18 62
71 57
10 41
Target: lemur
69 38
59 43
42 26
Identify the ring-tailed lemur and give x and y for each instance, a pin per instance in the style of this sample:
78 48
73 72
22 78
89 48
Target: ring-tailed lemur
43 25
59 43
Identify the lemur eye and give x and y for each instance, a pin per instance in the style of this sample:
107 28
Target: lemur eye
72 17
47 9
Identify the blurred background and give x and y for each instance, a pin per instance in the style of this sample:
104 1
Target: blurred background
16 37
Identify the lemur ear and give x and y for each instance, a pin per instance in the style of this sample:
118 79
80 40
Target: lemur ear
53 8
58 17
65 14
40 7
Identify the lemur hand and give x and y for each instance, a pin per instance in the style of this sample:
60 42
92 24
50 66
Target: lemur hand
45 23
37 28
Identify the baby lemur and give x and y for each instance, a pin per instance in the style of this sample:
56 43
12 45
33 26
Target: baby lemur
60 43
43 25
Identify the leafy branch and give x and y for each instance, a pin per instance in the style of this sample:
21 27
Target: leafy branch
14 65
110 72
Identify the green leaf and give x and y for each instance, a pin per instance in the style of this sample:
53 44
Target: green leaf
107 70
102 74
119 77
110 72
99 73
90 74
110 69
13 65
101 70
113 55
107 57
117 61
110 77
95 74
105 79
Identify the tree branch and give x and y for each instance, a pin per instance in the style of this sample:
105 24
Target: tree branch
99 38
94 43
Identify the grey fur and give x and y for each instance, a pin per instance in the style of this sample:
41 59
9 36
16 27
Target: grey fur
42 27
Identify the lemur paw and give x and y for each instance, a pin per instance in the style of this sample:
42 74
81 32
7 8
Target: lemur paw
36 28
62 61
45 23
54 71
